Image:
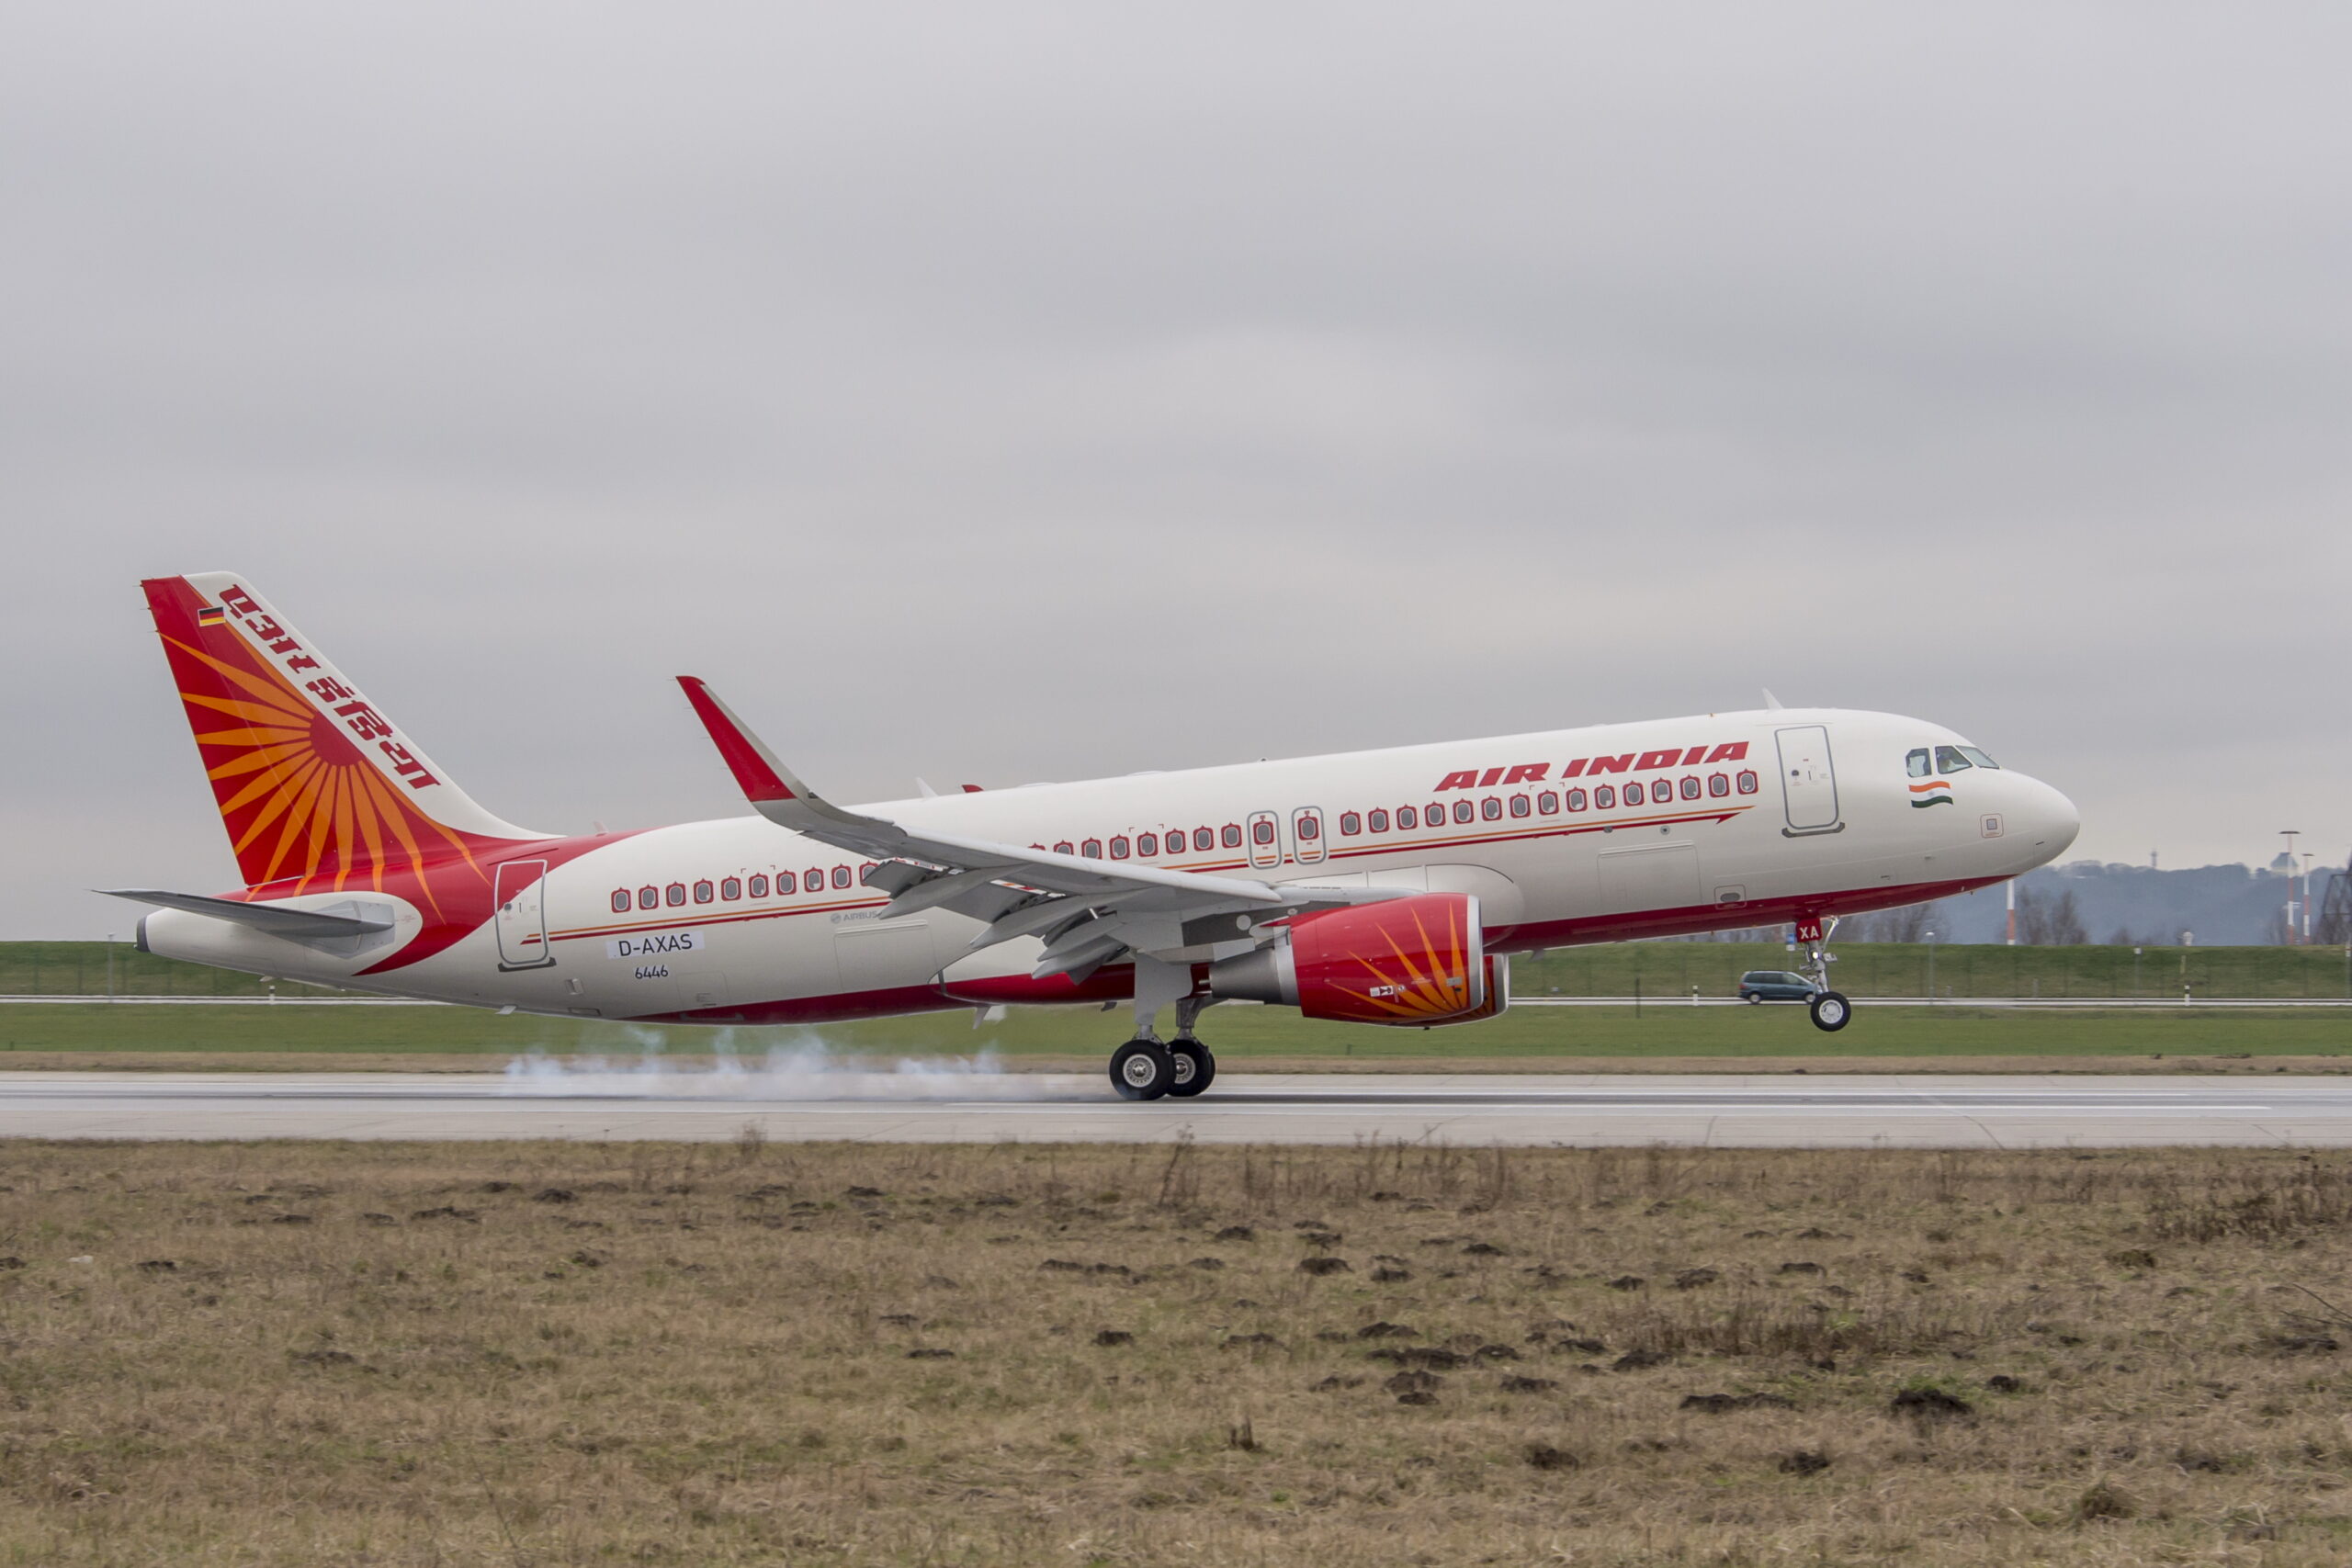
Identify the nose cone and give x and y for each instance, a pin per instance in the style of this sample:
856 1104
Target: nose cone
2044 819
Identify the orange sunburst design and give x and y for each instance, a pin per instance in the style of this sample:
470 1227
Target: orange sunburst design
1443 989
301 800
1405 962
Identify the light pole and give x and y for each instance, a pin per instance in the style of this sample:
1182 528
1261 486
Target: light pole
1931 968
2291 835
2308 857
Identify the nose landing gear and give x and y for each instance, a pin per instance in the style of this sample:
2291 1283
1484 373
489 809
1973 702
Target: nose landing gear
1829 1011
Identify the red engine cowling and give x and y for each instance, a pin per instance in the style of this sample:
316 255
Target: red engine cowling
1414 962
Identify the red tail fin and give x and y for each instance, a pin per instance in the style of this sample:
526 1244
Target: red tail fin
315 785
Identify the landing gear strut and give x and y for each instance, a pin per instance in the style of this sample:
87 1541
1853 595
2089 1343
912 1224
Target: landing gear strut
1829 1010
1144 1068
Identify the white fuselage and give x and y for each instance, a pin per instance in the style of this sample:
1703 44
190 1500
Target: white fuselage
691 921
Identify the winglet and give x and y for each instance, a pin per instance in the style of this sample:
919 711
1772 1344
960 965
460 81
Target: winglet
779 796
755 767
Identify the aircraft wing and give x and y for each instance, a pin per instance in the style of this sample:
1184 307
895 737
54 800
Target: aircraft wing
1087 911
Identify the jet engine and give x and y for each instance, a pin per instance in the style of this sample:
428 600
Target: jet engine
1414 962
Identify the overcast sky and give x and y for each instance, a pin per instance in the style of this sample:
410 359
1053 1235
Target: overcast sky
1005 392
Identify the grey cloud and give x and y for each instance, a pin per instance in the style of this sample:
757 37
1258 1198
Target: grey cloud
1034 391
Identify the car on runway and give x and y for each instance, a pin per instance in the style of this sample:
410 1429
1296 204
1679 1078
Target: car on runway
1775 986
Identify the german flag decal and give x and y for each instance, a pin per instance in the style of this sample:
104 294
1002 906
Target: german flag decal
210 616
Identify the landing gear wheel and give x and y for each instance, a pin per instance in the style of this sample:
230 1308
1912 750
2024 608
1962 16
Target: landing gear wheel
1195 1069
1142 1069
1831 1012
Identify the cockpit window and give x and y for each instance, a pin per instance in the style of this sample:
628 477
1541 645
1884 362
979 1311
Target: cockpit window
1949 761
1973 755
1918 763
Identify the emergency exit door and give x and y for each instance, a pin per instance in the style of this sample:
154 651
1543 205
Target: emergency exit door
1808 782
523 915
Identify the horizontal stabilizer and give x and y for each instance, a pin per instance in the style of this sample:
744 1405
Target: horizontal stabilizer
270 919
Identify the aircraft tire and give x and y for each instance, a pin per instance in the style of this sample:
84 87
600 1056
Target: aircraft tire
1142 1069
1831 1012
1195 1069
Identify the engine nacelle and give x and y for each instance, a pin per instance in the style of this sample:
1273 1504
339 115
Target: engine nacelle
1413 962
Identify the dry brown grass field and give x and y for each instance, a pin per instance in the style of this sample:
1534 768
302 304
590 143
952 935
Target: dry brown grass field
550 1354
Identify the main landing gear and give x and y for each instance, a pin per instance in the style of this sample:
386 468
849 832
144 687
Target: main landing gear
1145 1069
1829 1011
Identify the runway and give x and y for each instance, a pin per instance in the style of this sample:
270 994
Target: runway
1849 1111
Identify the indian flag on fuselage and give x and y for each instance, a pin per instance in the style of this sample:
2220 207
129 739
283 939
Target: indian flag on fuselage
1935 792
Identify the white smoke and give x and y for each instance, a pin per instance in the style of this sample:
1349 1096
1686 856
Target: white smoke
802 1072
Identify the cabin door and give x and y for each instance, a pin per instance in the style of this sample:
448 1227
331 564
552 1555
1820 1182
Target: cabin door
1808 782
523 915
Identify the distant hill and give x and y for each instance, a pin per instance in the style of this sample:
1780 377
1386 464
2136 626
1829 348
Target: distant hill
2225 906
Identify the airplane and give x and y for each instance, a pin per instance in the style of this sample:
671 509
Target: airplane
1384 887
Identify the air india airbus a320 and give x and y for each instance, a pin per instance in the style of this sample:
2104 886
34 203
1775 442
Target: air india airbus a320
1368 887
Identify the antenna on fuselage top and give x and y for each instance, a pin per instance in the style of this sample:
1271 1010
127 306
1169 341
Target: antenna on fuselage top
1770 700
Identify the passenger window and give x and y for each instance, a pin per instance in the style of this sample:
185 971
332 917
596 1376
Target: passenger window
1949 761
1718 784
1350 824
1632 794
1519 807
1063 847
1232 835
1379 822
1464 811
1548 802
1204 838
620 901
1092 848
1576 800
1915 763
1146 844
785 883
759 887
1491 809
704 892
675 894
841 876
1307 828
813 878
731 888
647 897
1690 787
1603 797
1261 832
1408 818
1119 847
1748 781
1433 815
